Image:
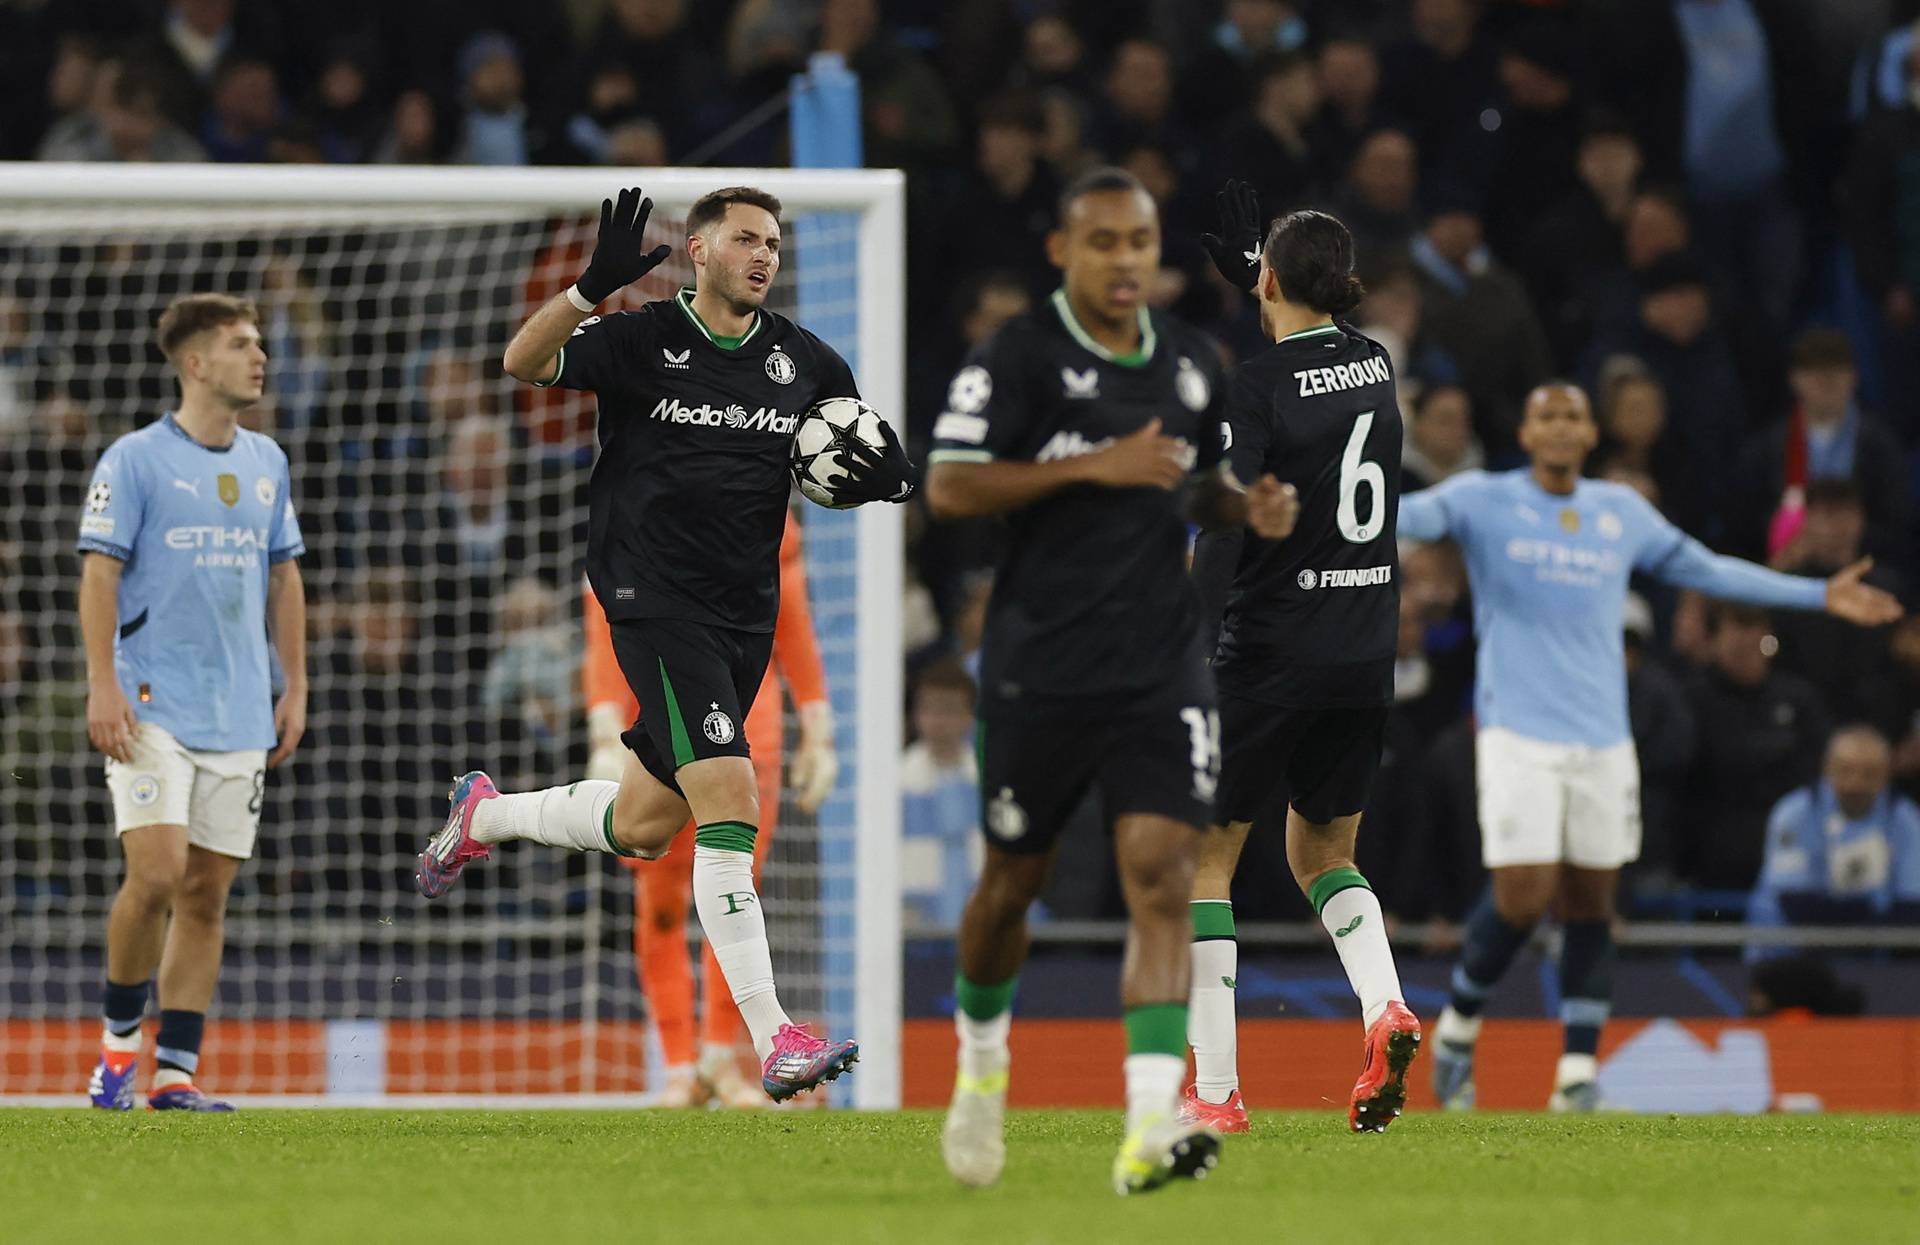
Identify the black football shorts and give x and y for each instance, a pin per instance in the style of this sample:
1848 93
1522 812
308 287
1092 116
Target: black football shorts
695 683
1322 761
1160 755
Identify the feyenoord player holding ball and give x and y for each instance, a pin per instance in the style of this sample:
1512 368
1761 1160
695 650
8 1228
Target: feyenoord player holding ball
699 398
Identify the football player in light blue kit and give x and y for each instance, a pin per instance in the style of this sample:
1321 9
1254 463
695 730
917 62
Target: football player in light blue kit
188 541
1548 555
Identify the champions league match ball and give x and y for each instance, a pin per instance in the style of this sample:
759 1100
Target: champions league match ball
826 429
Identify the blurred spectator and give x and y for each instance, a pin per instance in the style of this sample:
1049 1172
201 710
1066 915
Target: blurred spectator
1394 314
940 818
70 90
1377 197
1664 739
298 340
612 97
1760 735
414 136
535 672
1063 135
1845 849
1803 985
1721 92
1677 335
1851 667
194 37
909 119
123 123
475 505
1635 444
245 108
1825 436
1580 240
679 77
1052 55
1004 210
1441 83
383 627
1881 197
1901 717
17 367
1536 130
1137 104
1226 72
494 130
1440 440
343 109
1349 70
1479 314
1269 144
637 143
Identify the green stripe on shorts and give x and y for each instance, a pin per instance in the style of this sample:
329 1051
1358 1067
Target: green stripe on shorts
682 745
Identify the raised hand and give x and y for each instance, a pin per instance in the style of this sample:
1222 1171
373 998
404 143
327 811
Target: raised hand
1860 603
1145 458
1236 248
617 259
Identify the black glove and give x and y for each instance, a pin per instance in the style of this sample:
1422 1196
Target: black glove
1236 248
876 475
617 259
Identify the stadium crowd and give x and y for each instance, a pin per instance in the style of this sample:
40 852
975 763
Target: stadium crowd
1705 211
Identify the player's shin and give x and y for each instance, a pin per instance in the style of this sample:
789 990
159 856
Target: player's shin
1210 1020
1490 945
578 816
1586 992
1351 912
1156 1061
729 907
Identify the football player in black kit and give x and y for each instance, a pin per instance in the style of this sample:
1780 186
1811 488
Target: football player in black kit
699 397
1081 422
1305 657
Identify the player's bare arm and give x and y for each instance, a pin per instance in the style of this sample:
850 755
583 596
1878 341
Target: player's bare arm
110 720
1147 458
618 261
287 612
1218 500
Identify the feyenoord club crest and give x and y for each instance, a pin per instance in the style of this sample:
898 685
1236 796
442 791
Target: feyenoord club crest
718 726
780 369
1005 818
1191 384
230 489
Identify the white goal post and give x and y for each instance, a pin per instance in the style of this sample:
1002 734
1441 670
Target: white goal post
386 292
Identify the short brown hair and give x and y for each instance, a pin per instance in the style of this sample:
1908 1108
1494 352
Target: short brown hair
1821 350
193 314
711 208
945 675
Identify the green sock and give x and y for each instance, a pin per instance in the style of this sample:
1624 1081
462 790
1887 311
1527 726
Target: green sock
1157 1029
978 1002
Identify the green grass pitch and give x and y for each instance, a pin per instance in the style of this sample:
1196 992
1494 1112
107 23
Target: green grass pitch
650 1176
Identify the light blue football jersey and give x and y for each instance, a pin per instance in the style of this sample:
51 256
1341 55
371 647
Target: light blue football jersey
197 529
1549 576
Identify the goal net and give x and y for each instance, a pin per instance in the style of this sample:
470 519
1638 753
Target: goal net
444 513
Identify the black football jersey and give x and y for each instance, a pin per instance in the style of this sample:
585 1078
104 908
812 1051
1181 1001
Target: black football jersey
1091 598
1311 620
688 498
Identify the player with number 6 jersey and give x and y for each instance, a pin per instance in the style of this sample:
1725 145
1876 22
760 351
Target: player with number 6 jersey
1306 641
1081 423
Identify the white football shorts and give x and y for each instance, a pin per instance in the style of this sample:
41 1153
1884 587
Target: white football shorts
1550 803
215 795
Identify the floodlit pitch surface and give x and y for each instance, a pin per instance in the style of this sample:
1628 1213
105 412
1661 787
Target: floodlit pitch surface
363 1176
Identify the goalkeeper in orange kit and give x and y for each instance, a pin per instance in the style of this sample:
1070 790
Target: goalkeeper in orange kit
662 891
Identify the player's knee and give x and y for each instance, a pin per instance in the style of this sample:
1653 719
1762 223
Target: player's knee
1519 907
200 899
154 884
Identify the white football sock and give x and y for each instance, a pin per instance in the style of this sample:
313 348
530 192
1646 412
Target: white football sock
730 916
1359 932
576 816
1153 1087
983 1044
1210 1019
120 1044
1575 1069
